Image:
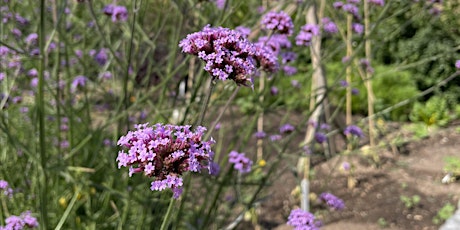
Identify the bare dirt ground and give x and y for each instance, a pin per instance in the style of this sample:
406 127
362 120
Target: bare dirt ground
415 168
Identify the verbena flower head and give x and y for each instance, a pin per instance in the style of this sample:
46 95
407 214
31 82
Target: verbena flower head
228 54
260 135
355 91
275 137
274 90
165 152
346 166
329 26
320 137
353 130
101 57
289 70
366 65
7 190
358 28
31 38
457 64
286 128
240 161
220 4
306 34
243 30
278 22
20 222
303 220
275 42
78 81
4 51
120 13
287 57
377 2
332 201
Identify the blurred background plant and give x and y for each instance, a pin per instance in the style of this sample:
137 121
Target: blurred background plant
99 67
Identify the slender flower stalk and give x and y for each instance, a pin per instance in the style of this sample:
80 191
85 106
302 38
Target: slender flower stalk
41 122
348 120
368 74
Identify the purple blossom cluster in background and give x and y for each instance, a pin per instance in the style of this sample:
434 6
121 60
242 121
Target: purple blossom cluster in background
366 65
377 2
306 34
332 201
118 13
228 54
278 22
457 64
353 130
25 220
303 220
329 26
240 161
220 4
7 190
286 128
165 152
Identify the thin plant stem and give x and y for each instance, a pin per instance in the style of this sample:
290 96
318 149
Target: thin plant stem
165 223
348 72
43 188
216 121
368 82
126 77
204 106
260 119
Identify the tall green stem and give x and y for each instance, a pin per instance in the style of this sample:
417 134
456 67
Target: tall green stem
41 123
165 223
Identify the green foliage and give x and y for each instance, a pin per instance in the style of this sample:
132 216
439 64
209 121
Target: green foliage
382 222
390 87
429 52
452 165
433 112
444 213
410 202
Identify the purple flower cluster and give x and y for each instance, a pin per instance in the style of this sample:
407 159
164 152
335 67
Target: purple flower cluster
246 31
275 43
306 34
350 7
20 222
165 152
366 65
118 13
329 26
358 28
353 130
240 161
228 54
332 201
278 22
7 190
78 81
377 2
220 4
286 128
260 135
303 220
457 64
320 137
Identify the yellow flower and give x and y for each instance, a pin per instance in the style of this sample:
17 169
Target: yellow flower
63 202
262 163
